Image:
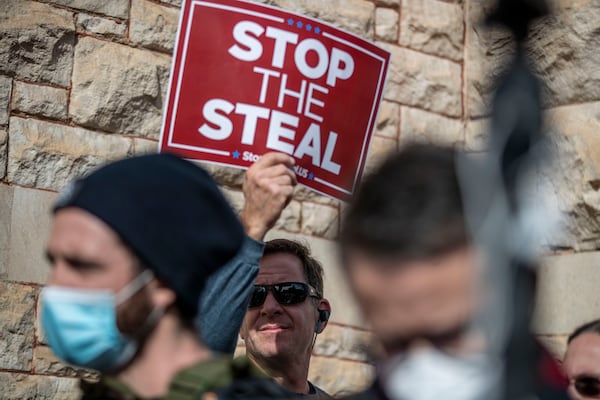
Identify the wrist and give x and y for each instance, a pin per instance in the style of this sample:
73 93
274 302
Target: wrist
256 233
254 229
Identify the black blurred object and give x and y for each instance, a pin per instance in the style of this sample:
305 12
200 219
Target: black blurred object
516 124
516 135
516 129
518 14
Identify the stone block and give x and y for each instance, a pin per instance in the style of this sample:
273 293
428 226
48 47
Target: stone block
144 146
290 218
38 387
422 126
112 8
424 81
345 310
44 101
100 26
340 377
388 120
36 42
434 27
176 3
45 362
344 342
17 313
132 102
31 208
225 176
320 220
560 5
557 310
388 3
354 15
563 48
487 55
303 193
386 24
39 330
152 25
378 150
3 152
574 174
5 93
6 202
46 155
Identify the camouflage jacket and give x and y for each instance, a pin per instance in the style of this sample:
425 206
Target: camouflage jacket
219 378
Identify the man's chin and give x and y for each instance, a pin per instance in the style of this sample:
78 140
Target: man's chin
270 352
268 344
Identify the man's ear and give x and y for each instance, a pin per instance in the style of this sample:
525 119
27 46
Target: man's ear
162 295
243 331
324 313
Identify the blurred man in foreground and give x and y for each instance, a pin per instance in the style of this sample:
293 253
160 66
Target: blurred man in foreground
418 278
582 362
131 247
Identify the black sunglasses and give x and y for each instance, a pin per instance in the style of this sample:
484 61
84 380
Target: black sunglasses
588 386
286 293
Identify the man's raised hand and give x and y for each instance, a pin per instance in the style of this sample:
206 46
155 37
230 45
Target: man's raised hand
268 188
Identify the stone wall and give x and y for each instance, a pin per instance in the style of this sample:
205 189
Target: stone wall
83 82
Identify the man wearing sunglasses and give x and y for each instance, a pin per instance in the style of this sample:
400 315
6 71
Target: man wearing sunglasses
582 362
285 314
268 188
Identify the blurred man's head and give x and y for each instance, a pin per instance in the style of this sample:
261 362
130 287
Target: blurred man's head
404 243
129 243
582 362
285 310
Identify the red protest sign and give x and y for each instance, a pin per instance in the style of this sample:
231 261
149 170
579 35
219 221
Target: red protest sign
248 79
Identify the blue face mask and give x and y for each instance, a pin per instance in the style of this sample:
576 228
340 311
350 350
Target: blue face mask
81 324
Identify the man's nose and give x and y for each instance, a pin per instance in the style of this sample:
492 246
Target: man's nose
61 274
271 305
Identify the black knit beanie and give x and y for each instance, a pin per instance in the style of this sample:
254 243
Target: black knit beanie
169 212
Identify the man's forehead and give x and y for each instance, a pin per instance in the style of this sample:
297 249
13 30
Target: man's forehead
280 267
589 341
583 353
82 226
81 234
466 255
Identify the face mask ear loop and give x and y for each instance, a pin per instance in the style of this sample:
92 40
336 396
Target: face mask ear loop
134 286
150 322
